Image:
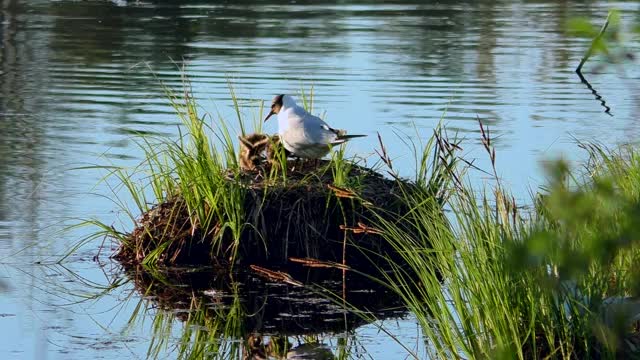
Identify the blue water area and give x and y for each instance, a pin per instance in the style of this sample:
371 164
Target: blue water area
79 80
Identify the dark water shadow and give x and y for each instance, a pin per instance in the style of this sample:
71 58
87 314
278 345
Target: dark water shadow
243 315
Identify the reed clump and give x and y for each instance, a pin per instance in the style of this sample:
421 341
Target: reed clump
555 280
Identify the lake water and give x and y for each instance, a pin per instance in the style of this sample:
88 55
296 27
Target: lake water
79 78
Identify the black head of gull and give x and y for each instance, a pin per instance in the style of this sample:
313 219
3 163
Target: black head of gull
276 105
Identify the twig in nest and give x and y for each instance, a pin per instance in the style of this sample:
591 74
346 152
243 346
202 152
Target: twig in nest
275 275
361 229
315 263
342 192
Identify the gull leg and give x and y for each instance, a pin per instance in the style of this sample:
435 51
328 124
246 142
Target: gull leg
296 164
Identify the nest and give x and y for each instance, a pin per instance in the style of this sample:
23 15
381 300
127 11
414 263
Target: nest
305 216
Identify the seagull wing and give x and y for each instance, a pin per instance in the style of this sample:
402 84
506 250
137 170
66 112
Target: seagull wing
313 130
306 130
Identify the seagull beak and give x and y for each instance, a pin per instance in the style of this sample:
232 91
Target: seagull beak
269 115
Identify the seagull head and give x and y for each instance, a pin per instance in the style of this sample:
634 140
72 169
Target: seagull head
276 105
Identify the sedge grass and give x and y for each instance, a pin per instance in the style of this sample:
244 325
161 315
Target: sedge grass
196 168
492 282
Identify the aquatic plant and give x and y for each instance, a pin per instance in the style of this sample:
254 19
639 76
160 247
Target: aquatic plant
610 40
554 281
487 280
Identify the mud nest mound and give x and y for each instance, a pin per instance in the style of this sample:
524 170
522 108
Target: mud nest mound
305 216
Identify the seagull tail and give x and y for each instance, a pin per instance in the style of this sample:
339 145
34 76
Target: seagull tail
344 138
348 137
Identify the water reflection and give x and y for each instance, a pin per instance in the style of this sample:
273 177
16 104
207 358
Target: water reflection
232 314
595 93
108 32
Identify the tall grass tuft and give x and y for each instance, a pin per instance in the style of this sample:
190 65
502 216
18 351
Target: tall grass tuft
557 281
196 174
198 171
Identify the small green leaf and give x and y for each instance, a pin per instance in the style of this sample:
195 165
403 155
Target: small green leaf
600 47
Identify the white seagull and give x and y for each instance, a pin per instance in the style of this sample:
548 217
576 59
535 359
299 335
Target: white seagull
302 134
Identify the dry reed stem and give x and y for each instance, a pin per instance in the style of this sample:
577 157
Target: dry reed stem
315 263
361 229
272 275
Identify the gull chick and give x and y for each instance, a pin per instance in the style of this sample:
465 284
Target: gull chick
302 134
251 148
253 145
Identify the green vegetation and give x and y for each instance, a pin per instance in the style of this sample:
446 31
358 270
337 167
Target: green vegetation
487 279
192 174
197 204
556 281
609 40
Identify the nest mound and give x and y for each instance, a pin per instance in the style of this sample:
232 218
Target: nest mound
301 215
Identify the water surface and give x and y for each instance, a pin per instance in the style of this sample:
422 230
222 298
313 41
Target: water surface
79 79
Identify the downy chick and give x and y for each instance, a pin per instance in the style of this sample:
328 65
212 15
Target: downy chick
251 148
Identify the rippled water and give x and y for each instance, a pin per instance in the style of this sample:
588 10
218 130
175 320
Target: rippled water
79 78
